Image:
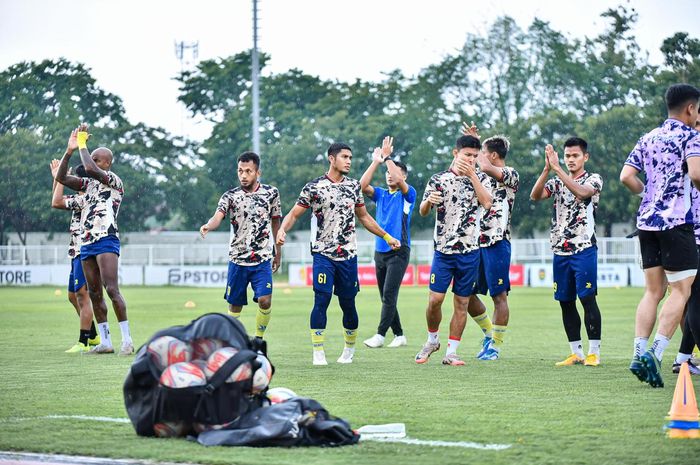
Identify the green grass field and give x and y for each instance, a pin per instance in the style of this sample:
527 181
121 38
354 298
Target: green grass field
550 415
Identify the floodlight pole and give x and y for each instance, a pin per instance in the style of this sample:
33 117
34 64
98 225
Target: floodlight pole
254 78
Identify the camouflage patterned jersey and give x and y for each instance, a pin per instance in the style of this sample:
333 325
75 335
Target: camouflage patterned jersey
250 214
573 220
457 218
333 223
102 203
495 223
75 204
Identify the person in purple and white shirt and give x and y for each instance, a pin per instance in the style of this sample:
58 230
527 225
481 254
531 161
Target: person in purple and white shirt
669 156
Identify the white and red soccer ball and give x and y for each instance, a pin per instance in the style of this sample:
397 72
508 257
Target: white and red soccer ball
203 348
183 375
280 394
167 350
219 357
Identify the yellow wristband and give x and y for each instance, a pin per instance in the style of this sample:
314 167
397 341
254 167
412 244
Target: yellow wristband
82 139
387 237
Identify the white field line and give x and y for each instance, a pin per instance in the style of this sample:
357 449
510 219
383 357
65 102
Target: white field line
417 442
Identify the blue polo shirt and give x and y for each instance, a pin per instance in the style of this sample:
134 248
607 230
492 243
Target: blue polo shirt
394 215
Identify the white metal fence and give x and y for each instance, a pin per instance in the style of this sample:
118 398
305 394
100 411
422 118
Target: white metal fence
610 250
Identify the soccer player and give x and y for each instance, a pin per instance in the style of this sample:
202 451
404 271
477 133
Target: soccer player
494 245
669 156
77 286
335 201
572 236
253 208
456 195
99 242
685 351
394 207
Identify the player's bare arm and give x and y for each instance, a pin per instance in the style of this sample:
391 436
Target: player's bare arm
371 225
694 170
366 179
86 158
538 191
394 171
57 192
581 192
628 177
277 259
496 172
434 199
213 223
62 175
288 223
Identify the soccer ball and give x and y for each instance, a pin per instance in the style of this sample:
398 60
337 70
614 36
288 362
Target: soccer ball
219 357
203 348
183 375
170 429
167 350
280 394
262 376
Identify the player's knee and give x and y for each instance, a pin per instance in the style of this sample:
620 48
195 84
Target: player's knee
435 301
588 300
265 302
72 298
322 300
112 291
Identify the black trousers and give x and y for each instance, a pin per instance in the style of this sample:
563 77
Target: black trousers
390 268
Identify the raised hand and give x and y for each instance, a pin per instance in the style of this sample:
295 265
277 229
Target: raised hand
72 141
552 158
377 155
387 147
54 167
470 130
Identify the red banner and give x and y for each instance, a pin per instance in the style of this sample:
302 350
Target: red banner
517 275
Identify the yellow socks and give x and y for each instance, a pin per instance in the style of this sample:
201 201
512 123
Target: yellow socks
235 315
499 333
262 319
350 336
317 338
484 323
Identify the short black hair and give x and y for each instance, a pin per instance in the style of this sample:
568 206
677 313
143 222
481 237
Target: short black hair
576 142
401 165
245 157
679 95
467 142
335 148
80 171
499 144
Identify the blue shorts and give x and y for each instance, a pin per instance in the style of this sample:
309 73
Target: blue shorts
464 268
76 279
338 277
494 269
108 244
575 274
259 276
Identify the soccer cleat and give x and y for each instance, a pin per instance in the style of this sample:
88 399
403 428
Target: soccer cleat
398 341
693 368
77 348
592 360
95 341
375 341
100 349
572 359
346 356
653 366
485 343
638 369
490 354
320 357
127 348
452 359
426 351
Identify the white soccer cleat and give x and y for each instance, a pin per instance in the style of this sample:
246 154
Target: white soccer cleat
375 341
126 349
346 356
100 349
320 357
399 341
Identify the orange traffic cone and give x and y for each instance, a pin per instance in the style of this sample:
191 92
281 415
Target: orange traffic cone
684 409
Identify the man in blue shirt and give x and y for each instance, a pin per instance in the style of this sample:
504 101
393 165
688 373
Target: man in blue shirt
394 208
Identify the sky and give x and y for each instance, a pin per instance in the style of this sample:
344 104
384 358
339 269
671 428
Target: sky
129 44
